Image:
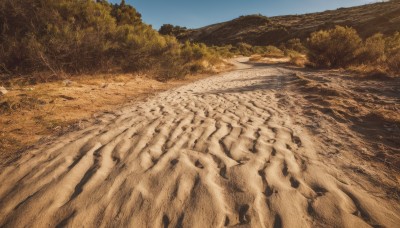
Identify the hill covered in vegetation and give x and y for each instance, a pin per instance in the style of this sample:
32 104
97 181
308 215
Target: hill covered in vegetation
258 30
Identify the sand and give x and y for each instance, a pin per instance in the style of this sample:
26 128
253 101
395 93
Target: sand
224 151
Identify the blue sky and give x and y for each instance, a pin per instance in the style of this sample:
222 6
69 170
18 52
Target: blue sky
195 14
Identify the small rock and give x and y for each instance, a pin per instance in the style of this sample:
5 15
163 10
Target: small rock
3 91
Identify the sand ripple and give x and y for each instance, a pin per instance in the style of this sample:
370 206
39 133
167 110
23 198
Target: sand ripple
218 152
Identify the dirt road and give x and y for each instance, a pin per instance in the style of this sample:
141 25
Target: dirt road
239 149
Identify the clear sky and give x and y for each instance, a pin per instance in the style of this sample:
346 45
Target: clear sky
198 13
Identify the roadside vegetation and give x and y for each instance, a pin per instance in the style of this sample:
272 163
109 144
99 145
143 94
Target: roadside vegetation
47 40
172 30
293 51
339 47
342 47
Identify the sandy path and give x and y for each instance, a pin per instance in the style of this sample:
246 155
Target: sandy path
224 151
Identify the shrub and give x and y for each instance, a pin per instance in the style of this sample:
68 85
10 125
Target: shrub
258 50
394 63
338 47
296 58
392 50
126 14
295 45
273 52
373 50
194 52
342 47
380 54
255 58
266 51
224 51
171 30
77 36
68 35
244 49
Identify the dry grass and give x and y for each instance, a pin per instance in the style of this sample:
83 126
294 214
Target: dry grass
33 112
296 58
299 61
274 55
254 58
370 71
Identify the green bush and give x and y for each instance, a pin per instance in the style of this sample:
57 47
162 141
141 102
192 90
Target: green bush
342 47
338 47
125 14
77 36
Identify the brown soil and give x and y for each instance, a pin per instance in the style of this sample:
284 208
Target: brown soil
32 113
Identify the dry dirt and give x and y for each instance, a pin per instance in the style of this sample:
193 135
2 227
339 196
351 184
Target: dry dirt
261 146
33 113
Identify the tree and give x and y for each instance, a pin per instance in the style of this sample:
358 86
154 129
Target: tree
76 36
171 30
166 29
126 14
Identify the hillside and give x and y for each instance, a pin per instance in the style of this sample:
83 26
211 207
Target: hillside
368 19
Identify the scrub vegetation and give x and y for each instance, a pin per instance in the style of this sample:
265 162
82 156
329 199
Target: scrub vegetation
342 47
83 36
